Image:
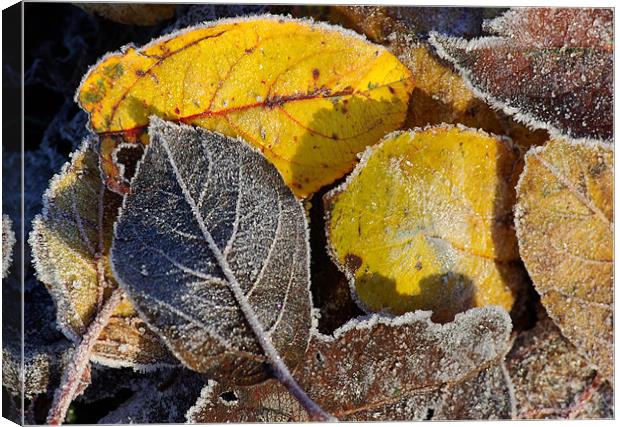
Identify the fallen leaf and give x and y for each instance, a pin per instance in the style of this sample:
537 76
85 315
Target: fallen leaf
564 221
552 68
385 368
130 13
551 380
8 241
309 96
425 222
212 248
440 94
70 244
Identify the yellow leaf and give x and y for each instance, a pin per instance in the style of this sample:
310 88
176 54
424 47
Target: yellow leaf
70 244
425 222
564 220
309 96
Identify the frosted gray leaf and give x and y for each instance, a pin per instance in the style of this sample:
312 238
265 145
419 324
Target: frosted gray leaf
211 246
8 240
551 68
385 368
552 380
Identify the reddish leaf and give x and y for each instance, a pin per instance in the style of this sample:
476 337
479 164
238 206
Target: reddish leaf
551 68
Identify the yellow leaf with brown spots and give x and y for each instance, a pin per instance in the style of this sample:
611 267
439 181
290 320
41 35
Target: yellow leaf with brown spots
70 243
425 222
564 220
309 96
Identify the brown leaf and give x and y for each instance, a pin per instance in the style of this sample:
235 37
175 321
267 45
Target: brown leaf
551 68
564 222
387 368
551 380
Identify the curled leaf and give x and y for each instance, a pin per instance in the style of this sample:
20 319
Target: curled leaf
384 368
70 244
564 220
212 248
309 96
549 67
551 380
425 222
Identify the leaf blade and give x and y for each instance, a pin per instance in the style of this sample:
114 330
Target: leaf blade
564 224
234 234
382 368
549 67
424 222
309 110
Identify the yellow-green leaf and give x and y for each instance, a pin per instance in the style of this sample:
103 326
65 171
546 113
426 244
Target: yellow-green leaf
564 220
309 96
425 222
70 242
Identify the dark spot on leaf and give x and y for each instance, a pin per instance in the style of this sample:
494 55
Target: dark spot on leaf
418 266
176 110
140 73
334 136
315 73
352 262
250 50
430 412
391 89
229 397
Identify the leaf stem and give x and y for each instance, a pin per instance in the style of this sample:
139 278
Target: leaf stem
72 376
280 369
